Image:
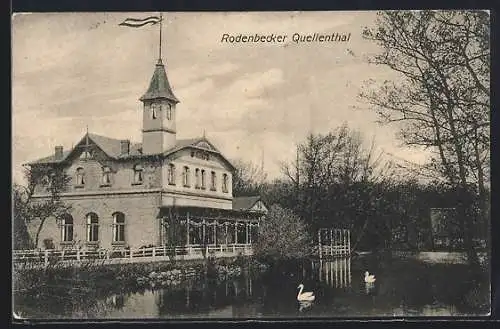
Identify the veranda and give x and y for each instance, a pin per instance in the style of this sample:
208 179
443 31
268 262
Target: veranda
193 227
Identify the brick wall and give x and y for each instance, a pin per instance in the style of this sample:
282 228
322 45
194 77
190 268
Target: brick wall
141 224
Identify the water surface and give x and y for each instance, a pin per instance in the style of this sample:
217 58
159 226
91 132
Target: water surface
403 288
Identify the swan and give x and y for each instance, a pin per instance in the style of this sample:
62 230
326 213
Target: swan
369 278
304 296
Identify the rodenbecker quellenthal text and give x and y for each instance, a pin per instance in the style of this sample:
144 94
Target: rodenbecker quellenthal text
282 38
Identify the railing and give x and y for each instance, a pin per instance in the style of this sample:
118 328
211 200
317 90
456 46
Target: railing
196 251
333 250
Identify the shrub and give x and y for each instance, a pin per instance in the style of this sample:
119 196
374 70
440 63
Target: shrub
282 236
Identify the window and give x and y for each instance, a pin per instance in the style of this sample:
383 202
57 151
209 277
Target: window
203 185
185 177
169 112
197 178
137 174
106 175
154 111
80 179
118 227
171 174
212 181
224 183
92 227
67 228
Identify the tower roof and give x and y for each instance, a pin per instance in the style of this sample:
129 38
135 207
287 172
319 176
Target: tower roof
159 87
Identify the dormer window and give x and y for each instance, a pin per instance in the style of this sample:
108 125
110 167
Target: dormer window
185 176
138 170
80 176
203 183
212 181
171 174
224 183
168 112
106 176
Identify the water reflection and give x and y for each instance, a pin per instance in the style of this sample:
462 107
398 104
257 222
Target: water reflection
304 305
336 273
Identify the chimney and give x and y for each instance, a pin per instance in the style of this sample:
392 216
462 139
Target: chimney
58 152
125 146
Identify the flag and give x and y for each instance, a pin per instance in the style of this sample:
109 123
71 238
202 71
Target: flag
135 22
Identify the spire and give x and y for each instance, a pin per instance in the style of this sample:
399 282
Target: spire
159 87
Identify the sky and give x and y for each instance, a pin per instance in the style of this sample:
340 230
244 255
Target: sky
253 101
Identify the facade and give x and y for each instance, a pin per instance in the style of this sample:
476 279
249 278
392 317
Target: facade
161 191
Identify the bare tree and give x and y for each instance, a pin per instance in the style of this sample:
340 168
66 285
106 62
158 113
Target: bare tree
248 178
47 181
441 98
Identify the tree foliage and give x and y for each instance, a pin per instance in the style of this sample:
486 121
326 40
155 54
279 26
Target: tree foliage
442 96
27 208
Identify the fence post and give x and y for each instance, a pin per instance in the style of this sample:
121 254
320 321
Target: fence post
77 253
46 257
130 252
154 252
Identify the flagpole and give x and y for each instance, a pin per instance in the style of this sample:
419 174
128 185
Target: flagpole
161 18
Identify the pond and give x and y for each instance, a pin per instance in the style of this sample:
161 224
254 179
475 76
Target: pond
402 288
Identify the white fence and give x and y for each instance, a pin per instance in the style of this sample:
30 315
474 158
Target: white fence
48 256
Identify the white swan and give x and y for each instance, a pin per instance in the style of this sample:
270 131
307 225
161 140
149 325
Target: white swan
304 296
369 278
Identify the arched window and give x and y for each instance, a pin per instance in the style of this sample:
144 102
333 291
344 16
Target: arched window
92 227
138 174
224 183
197 178
66 228
212 182
106 175
185 176
80 176
171 174
118 227
203 184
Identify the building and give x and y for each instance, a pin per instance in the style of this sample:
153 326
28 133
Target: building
161 191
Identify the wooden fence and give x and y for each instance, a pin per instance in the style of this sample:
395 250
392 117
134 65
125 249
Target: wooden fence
334 243
48 256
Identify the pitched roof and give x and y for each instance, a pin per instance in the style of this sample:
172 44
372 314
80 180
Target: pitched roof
112 148
244 202
159 87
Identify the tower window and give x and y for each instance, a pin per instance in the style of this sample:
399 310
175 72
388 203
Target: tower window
203 183
212 181
171 174
169 112
106 175
118 227
80 176
92 227
154 111
185 177
224 183
138 174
